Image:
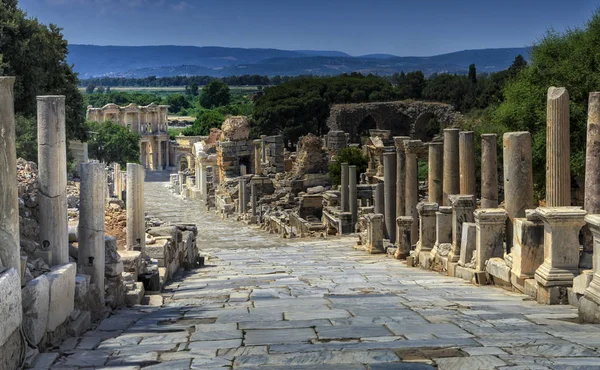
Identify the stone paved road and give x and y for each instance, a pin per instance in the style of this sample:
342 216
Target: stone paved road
266 303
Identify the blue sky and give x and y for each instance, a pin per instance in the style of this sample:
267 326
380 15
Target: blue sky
400 27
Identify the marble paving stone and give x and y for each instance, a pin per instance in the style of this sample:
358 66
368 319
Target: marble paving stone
343 332
278 336
468 363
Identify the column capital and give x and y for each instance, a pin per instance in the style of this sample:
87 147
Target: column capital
399 142
415 147
257 142
404 221
427 208
445 210
490 216
574 216
462 201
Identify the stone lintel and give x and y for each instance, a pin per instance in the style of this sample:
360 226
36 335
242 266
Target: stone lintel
490 216
415 147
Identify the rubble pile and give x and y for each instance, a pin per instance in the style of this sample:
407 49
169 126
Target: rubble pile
312 158
115 222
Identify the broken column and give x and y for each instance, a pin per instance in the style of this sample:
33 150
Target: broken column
400 174
242 196
592 169
253 198
52 178
136 230
352 194
344 187
561 252
404 226
558 147
589 305
436 172
257 156
443 230
451 164
462 211
389 204
489 171
10 255
411 148
426 241
518 178
466 149
90 259
490 224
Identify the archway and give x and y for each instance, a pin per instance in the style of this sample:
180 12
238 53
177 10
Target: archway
398 125
427 127
362 131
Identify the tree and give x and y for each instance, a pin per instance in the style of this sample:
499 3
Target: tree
112 143
177 102
192 89
90 88
350 155
204 122
215 94
107 91
101 89
472 74
517 65
36 55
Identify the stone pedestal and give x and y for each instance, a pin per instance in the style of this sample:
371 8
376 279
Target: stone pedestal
528 248
404 225
490 224
443 228
344 188
427 218
389 204
589 305
489 171
257 156
592 168
466 140
451 164
52 177
558 147
468 243
91 224
352 194
375 233
436 173
10 255
561 251
400 174
518 178
462 211
411 149
136 230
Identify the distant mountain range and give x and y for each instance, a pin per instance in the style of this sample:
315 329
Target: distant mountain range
163 61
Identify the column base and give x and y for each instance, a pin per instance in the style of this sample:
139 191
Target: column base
589 310
375 250
549 276
552 294
424 259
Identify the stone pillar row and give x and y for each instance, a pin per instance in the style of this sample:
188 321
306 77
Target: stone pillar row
389 182
344 187
136 231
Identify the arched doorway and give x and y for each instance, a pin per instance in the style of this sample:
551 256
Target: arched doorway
362 132
427 127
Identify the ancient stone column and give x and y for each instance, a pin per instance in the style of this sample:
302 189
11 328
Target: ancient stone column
253 198
451 164
52 177
412 185
10 250
389 183
352 198
489 171
466 149
257 156
427 221
518 178
462 211
490 224
558 148
379 200
344 187
592 169
242 196
136 230
404 224
436 172
91 224
589 305
561 251
400 174
160 156
263 151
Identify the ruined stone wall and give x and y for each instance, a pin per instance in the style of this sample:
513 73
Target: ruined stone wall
311 157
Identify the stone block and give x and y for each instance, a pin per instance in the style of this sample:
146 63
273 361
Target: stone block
589 311
113 269
498 269
62 294
134 297
131 261
36 301
552 295
467 243
10 304
81 324
530 286
158 249
581 282
527 246
573 297
464 273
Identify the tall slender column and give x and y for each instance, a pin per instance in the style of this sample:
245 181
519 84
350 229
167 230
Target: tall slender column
389 183
400 174
52 170
91 224
558 148
462 211
451 164
10 250
490 224
518 178
263 151
592 172
436 172
466 149
344 187
136 231
489 171
379 198
167 155
412 186
242 196
257 156
160 157
253 198
352 198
